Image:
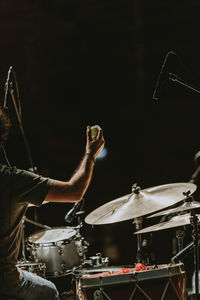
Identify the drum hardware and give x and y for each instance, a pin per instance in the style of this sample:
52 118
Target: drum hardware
180 236
64 267
57 249
138 226
61 252
80 242
96 261
181 220
177 243
140 203
184 252
98 294
33 267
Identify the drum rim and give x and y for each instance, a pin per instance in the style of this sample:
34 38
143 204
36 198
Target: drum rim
53 243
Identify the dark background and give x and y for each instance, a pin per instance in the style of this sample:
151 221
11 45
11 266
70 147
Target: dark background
82 63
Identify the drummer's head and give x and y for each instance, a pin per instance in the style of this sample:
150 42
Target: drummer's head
5 125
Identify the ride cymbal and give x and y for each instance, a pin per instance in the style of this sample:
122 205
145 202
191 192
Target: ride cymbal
140 203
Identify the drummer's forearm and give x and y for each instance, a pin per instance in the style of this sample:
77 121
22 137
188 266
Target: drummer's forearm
74 189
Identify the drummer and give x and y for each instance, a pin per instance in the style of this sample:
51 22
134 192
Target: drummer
18 188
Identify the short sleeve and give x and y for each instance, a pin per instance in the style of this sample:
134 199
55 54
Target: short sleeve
28 187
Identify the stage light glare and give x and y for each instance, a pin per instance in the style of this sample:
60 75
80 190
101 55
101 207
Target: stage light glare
102 154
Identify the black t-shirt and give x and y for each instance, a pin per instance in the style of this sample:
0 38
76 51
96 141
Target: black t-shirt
18 188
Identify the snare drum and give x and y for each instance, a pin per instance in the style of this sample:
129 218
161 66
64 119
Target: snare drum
56 248
29 266
164 282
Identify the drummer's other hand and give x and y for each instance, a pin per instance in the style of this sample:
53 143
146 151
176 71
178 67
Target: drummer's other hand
95 145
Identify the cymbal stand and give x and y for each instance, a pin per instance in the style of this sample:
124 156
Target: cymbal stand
138 226
138 223
180 236
195 235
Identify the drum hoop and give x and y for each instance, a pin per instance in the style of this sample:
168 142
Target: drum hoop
53 243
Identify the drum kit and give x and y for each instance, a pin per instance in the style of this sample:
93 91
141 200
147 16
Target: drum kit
57 252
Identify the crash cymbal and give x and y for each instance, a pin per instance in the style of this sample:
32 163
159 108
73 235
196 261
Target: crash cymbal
140 203
185 206
175 221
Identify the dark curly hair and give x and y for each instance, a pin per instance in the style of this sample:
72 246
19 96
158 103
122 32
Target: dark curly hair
5 125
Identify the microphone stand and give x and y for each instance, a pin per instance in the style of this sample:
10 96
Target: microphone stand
9 89
175 78
195 174
32 167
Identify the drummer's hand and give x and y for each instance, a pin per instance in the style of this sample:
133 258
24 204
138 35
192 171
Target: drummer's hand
95 145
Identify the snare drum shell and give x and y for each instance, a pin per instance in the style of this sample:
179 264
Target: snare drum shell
59 259
56 248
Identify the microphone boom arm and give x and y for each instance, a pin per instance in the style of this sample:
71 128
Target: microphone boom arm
175 78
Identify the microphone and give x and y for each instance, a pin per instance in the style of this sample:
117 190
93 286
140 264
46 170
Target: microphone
161 78
71 213
7 87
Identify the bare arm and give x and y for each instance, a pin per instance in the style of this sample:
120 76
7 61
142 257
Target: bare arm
74 189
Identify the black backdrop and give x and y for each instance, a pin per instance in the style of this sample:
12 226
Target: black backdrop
86 62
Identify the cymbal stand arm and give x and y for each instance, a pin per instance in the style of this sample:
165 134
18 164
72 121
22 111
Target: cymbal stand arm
195 234
174 77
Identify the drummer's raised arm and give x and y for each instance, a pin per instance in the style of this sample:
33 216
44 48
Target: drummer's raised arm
74 189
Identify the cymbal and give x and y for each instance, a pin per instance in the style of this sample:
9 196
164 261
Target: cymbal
185 206
140 203
175 221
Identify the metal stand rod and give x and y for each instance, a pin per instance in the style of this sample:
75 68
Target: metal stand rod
182 253
180 236
174 77
195 224
138 226
36 223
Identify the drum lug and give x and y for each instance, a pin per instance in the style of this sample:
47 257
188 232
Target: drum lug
34 256
64 267
60 251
